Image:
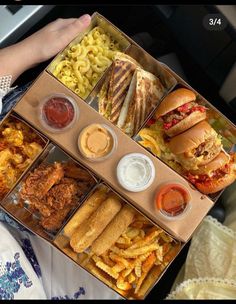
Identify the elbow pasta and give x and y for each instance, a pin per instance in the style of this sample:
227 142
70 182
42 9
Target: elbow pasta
84 63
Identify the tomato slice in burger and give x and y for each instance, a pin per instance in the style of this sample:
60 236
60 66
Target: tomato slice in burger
172 199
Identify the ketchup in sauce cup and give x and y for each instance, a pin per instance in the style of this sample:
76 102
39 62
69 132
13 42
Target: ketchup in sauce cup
58 112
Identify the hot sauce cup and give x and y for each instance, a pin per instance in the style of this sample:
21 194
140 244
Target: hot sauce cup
173 200
58 112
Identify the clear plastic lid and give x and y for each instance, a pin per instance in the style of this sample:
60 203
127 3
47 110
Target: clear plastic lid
135 172
173 200
97 142
58 112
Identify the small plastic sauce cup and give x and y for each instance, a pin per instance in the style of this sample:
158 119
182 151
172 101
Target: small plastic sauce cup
58 112
173 200
97 142
135 172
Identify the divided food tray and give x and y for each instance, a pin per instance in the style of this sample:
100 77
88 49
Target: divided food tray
59 146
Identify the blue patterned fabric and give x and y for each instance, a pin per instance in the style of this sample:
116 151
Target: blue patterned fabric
76 296
5 218
29 252
25 242
12 278
11 99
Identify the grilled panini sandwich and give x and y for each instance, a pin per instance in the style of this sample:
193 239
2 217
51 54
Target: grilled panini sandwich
144 93
116 86
129 94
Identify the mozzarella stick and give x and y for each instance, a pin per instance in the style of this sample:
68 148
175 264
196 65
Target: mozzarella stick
84 212
113 230
85 234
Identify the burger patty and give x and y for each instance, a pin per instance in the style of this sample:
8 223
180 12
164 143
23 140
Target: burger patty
206 147
175 116
209 147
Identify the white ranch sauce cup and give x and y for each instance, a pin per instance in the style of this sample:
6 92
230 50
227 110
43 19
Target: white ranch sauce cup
135 172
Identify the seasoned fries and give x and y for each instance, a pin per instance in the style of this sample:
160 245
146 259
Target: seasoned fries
130 252
114 274
146 248
139 252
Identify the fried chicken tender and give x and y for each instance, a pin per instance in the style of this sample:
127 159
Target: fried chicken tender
56 219
63 194
40 205
41 180
84 187
74 171
61 198
53 194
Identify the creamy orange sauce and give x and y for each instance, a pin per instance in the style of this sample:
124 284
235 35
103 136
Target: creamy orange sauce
95 141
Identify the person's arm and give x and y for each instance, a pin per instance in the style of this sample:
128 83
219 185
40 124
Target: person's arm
41 46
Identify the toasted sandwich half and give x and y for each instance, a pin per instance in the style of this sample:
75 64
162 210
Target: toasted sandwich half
124 57
115 87
143 95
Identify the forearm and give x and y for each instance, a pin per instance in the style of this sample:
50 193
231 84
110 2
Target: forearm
16 59
41 46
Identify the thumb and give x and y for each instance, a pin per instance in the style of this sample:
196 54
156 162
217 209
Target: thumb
70 31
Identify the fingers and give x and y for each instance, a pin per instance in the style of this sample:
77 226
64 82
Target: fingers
56 36
71 30
79 24
85 20
60 23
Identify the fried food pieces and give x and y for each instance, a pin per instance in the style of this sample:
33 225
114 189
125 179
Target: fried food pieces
85 211
53 190
96 223
42 180
123 248
135 255
113 230
19 145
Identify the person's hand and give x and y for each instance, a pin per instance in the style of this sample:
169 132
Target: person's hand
40 46
55 36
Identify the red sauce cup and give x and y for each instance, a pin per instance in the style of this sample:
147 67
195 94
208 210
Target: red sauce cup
173 200
58 112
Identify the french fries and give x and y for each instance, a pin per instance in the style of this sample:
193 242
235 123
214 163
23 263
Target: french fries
137 258
129 253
